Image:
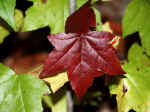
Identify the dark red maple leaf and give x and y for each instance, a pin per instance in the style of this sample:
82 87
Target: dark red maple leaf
83 54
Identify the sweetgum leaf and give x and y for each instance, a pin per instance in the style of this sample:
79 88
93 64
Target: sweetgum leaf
7 8
20 93
136 19
85 15
133 91
89 18
79 3
84 56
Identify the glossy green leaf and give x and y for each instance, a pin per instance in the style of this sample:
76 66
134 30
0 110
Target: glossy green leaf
20 93
7 8
134 91
52 13
136 19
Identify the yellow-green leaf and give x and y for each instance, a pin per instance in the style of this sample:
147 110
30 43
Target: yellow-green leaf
133 91
56 82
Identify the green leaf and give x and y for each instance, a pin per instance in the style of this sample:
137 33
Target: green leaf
3 33
57 102
79 3
53 13
20 93
19 18
7 8
98 20
136 19
133 91
60 105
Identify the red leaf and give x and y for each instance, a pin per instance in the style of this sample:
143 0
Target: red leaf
83 56
81 20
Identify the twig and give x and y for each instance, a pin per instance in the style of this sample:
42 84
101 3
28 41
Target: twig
72 6
69 101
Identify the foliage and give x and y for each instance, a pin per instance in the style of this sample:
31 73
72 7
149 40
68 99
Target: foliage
5 31
55 82
53 13
98 20
19 18
98 16
79 53
7 12
135 21
133 91
79 3
85 55
20 92
59 105
80 16
57 101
